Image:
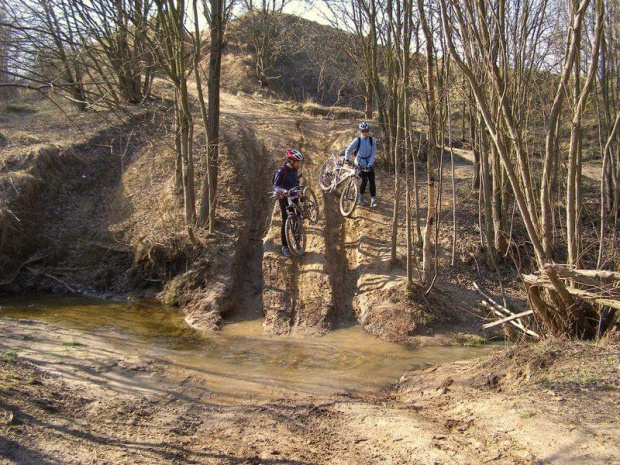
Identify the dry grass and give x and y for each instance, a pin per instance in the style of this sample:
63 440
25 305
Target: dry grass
327 112
562 366
32 120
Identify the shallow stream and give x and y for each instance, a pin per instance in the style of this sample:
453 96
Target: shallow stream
240 360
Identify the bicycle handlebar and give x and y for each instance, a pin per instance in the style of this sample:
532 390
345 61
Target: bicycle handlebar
294 192
350 163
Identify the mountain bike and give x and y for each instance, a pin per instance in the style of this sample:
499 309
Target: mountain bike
334 172
301 204
327 173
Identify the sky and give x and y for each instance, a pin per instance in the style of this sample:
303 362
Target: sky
303 9
313 11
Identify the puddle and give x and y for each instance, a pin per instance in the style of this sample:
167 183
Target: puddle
240 361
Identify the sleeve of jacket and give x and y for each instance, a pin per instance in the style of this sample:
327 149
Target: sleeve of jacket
350 149
373 152
277 182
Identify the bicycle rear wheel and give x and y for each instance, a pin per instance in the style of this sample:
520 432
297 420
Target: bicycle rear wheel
311 205
327 174
295 235
348 198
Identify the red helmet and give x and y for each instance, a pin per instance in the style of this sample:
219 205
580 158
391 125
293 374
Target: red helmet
294 155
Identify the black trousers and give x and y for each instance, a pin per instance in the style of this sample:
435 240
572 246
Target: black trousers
366 177
283 205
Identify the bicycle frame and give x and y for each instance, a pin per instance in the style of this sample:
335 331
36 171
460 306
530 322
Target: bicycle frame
295 208
292 207
343 173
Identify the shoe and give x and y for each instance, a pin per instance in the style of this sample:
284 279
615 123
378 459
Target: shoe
286 251
362 202
373 202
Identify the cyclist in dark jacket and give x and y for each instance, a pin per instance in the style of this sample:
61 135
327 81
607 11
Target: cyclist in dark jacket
285 179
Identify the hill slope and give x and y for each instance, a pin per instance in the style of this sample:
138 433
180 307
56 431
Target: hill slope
307 62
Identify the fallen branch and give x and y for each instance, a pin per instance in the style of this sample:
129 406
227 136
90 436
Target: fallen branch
114 248
16 272
71 289
516 323
490 299
507 319
74 268
503 312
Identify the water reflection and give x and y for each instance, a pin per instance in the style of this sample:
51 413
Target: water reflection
240 360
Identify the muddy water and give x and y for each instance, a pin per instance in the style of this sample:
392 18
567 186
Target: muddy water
240 361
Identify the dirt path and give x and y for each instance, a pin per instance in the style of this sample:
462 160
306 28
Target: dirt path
96 402
346 274
298 295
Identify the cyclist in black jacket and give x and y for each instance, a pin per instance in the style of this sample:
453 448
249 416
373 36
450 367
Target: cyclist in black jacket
285 179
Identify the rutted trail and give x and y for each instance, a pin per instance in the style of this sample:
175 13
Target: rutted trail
298 293
378 300
371 287
254 166
315 306
345 273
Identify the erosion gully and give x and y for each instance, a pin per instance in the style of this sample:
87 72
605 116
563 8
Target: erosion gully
240 360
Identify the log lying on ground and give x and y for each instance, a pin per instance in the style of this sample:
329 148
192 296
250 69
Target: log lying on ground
33 259
581 303
607 299
567 272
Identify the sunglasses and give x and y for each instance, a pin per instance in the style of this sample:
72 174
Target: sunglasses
365 130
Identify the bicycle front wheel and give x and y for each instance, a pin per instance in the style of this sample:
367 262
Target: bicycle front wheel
348 198
295 235
311 205
327 174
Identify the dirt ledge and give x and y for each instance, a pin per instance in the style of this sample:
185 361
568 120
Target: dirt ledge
539 403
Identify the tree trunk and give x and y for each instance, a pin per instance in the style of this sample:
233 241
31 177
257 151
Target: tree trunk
368 100
573 193
427 258
475 143
213 134
498 205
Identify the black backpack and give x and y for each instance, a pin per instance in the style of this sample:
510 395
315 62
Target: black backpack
359 142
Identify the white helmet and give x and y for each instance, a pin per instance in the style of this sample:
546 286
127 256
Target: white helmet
364 126
294 155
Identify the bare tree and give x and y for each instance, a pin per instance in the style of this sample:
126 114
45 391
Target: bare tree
48 53
218 13
261 20
88 52
170 40
482 27
116 31
372 54
431 115
5 54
